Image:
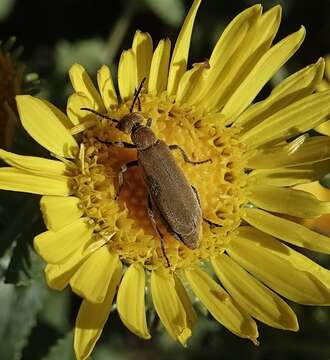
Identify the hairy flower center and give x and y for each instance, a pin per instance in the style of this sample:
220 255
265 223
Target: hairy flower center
220 183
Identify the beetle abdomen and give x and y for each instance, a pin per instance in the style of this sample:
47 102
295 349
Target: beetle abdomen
172 193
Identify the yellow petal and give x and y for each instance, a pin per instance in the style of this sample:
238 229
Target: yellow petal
59 211
106 87
59 275
127 74
315 188
311 151
82 83
56 246
59 114
159 67
327 67
188 89
56 278
92 318
131 303
254 43
290 176
186 302
295 119
293 88
284 270
221 305
263 71
179 59
91 280
322 223
287 230
255 298
44 126
287 201
323 128
169 307
322 85
76 101
251 58
143 48
17 180
230 48
33 164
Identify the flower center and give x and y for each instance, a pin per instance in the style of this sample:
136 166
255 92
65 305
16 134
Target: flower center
220 183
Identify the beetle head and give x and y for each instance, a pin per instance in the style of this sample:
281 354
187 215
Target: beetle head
129 121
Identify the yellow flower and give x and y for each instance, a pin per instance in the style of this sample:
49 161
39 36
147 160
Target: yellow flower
98 244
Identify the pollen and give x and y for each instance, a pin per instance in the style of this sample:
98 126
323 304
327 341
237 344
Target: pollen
220 183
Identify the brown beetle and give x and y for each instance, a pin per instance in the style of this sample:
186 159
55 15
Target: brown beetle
171 198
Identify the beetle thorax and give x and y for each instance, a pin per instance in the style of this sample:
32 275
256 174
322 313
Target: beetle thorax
143 137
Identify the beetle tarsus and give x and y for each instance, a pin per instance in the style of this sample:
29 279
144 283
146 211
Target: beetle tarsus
211 223
185 156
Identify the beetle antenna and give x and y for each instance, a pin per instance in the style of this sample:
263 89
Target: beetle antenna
99 114
139 104
136 96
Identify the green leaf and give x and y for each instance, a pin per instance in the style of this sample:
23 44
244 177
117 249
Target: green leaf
25 305
325 181
18 218
170 11
25 265
5 8
63 349
7 295
90 53
21 227
55 311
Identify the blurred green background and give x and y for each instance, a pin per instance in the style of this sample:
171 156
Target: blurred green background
35 322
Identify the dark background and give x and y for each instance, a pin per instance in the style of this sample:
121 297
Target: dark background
36 323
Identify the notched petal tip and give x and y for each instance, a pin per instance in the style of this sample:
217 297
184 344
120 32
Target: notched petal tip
81 82
184 336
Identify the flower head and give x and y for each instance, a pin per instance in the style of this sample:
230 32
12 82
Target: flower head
99 242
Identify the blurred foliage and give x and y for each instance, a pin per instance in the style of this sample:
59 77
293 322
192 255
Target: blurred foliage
6 7
36 322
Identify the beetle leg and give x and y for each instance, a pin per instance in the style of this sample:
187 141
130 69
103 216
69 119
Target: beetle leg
212 224
121 144
185 156
151 215
149 122
122 170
